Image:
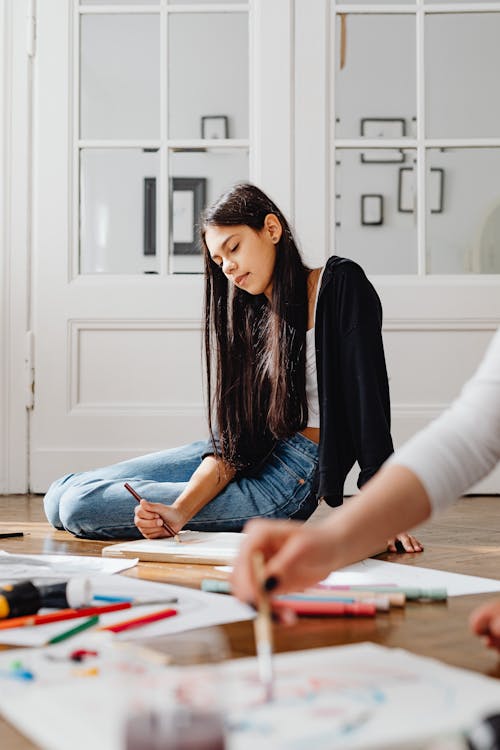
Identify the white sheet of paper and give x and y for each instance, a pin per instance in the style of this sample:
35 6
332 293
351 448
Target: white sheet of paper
59 567
357 697
193 545
382 572
196 609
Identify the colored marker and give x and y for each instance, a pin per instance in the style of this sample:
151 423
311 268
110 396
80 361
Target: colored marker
395 600
411 592
73 631
215 586
137 622
63 614
381 603
336 609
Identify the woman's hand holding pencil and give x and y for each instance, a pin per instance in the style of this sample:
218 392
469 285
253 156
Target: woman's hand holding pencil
155 520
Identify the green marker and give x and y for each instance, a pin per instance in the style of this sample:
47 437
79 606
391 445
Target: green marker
215 586
74 631
411 592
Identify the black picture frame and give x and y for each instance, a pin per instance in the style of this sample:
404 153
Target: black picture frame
403 208
149 217
435 208
377 201
383 156
214 127
440 191
198 187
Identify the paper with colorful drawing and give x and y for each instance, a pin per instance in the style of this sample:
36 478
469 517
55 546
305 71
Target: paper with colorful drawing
349 697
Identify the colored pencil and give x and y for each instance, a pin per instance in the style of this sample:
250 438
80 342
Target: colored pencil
62 614
262 630
137 622
167 528
73 631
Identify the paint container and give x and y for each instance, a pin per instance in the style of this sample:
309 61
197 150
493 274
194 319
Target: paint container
188 713
180 728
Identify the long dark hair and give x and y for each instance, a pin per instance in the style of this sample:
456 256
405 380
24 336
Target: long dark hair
254 348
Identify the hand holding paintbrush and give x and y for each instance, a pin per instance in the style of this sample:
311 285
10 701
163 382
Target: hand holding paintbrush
263 629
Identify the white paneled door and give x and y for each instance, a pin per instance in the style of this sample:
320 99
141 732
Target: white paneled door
122 169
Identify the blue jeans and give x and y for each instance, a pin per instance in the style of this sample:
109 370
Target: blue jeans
95 504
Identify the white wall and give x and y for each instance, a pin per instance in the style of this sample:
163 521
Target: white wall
3 253
14 160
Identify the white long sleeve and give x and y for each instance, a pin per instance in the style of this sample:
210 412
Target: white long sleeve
463 444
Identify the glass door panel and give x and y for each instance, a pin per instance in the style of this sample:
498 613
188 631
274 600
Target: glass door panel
375 76
461 75
120 76
208 75
375 210
197 179
463 215
118 228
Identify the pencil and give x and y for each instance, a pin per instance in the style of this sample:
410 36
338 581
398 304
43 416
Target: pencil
10 534
167 528
262 629
136 622
73 631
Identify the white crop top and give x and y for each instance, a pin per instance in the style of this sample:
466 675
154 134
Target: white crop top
311 376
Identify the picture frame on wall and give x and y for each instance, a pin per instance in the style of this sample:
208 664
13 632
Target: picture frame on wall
383 128
406 190
372 210
214 127
149 216
187 201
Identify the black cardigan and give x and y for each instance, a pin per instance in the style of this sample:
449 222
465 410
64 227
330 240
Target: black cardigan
353 389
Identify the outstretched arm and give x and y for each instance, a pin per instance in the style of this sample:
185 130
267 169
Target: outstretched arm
299 555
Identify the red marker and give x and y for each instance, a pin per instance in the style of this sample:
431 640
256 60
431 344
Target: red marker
335 609
138 621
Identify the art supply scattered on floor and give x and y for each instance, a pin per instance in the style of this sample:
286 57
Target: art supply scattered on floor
26 598
317 607
61 615
74 631
138 622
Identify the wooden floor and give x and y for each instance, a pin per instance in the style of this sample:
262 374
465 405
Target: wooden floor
465 540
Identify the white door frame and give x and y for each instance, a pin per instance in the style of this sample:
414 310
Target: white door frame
15 164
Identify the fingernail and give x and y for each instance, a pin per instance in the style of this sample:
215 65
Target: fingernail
271 583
